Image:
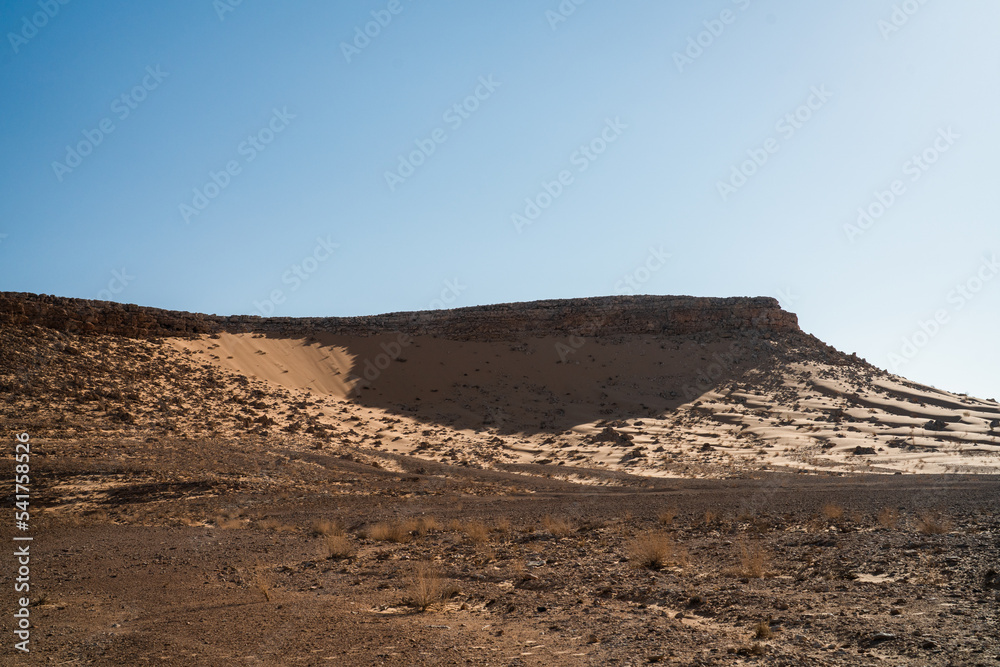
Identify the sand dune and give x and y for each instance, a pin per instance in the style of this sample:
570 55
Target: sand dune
665 405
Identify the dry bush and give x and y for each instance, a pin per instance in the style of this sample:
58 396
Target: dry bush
427 586
711 516
502 525
421 525
654 550
229 522
933 523
666 517
557 527
384 531
762 630
752 559
833 512
322 527
272 523
587 525
339 547
888 518
477 532
455 525
262 581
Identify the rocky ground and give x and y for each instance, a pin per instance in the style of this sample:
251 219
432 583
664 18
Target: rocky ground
216 554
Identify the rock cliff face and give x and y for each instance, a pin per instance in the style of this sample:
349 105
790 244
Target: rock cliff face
599 316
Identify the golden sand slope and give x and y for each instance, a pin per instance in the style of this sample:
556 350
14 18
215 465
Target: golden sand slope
648 404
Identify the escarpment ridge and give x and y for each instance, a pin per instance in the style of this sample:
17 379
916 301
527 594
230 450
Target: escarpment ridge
599 316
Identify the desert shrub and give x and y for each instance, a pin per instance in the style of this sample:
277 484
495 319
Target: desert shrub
502 525
229 522
752 559
272 523
654 550
422 525
388 532
557 527
339 547
477 532
322 527
832 512
762 630
666 517
427 586
888 518
932 523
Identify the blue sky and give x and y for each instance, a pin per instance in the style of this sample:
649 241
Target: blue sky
715 148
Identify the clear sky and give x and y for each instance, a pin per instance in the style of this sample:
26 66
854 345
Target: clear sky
211 156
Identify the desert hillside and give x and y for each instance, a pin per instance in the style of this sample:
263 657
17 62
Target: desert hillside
663 386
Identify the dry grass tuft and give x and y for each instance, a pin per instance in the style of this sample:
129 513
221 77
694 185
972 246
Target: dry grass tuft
762 630
752 560
933 523
888 518
229 522
272 523
422 525
477 532
655 550
666 517
262 581
388 532
502 526
339 547
833 512
557 527
322 527
427 586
